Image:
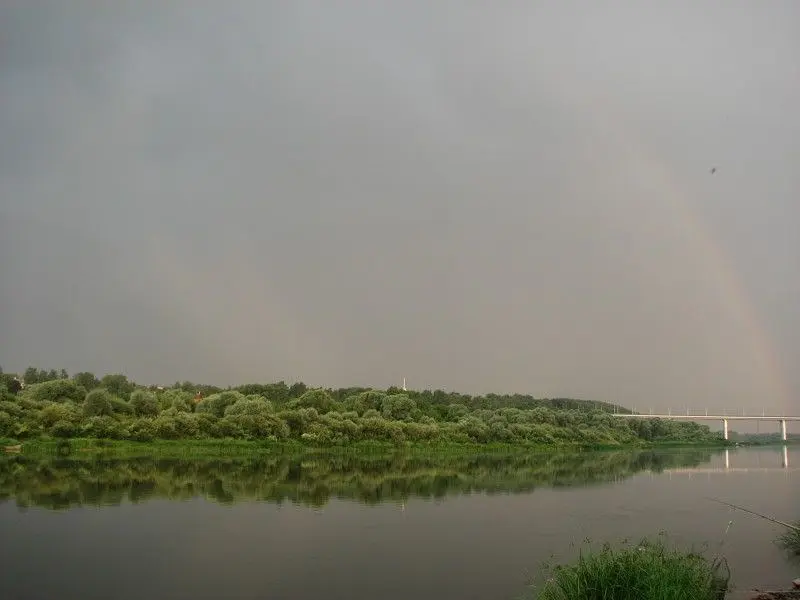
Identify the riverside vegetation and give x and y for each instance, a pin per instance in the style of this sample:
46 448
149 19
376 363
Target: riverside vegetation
50 404
790 540
650 570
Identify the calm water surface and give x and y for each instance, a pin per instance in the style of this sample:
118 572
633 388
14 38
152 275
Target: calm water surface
346 528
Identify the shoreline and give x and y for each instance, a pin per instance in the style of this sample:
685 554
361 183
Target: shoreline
229 447
756 594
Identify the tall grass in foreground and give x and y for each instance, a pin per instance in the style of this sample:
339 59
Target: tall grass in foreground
649 571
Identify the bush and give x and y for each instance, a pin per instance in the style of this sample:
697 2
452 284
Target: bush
217 403
144 404
398 407
55 412
319 399
58 390
8 425
64 429
98 403
118 385
166 428
142 430
118 405
258 426
104 427
229 428
791 540
12 408
207 424
249 406
174 398
649 571
186 425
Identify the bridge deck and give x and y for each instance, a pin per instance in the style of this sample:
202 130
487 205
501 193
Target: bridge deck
710 417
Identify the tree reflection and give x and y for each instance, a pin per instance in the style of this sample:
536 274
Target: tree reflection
60 483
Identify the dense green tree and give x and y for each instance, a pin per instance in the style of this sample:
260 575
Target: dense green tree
118 385
87 380
297 389
55 390
217 403
319 399
144 403
99 402
33 375
11 383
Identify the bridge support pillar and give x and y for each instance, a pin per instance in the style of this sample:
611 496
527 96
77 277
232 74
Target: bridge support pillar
783 430
725 428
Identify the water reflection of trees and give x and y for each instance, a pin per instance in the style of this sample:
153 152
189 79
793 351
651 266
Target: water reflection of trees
67 482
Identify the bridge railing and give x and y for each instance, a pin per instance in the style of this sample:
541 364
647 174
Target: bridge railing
707 412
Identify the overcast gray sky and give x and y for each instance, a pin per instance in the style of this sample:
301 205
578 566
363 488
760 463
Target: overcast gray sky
504 196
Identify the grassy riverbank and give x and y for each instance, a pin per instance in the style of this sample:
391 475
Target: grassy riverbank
234 447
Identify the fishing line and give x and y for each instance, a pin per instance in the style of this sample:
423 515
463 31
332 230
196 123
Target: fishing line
752 512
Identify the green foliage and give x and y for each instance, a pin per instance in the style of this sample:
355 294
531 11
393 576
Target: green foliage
33 375
86 380
55 390
142 430
318 399
120 406
103 427
649 571
398 407
277 393
98 402
64 429
175 398
54 412
790 540
216 404
9 426
318 417
9 385
144 404
118 385
254 418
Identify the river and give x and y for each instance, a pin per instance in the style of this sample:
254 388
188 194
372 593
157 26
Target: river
461 528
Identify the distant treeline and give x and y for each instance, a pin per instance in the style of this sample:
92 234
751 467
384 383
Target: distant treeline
66 482
762 438
50 403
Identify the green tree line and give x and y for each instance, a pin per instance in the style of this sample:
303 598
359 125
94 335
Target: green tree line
52 404
59 483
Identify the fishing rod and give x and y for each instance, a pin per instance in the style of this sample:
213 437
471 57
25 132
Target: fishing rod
752 512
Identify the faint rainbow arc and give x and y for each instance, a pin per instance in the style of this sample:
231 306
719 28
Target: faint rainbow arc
719 266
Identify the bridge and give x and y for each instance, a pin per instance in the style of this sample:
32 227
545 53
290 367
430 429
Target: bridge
715 417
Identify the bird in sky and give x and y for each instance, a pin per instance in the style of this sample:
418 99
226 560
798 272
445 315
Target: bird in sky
713 170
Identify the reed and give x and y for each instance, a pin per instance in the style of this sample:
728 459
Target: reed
790 540
648 571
